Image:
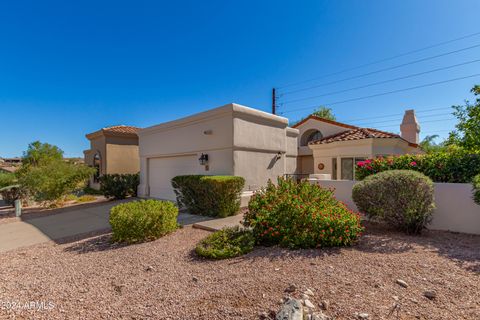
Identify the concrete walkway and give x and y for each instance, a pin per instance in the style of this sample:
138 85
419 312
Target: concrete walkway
67 223
217 224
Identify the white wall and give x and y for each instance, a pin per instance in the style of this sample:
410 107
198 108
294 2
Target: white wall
455 209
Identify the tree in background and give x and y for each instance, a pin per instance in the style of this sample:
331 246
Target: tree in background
321 112
325 113
39 153
428 144
467 133
47 177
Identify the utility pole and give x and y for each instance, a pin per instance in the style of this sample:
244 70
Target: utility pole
274 101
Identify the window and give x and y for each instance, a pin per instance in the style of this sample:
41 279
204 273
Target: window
97 164
334 168
311 135
348 167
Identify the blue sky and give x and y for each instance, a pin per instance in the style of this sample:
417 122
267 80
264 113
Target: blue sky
69 68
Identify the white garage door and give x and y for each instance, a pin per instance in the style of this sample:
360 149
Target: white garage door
162 170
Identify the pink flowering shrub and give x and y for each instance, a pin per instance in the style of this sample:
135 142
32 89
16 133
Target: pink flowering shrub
301 215
455 165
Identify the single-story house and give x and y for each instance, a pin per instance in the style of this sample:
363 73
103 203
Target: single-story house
332 148
238 140
229 140
112 150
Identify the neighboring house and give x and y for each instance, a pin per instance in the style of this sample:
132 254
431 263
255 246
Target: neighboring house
229 140
333 148
112 150
8 169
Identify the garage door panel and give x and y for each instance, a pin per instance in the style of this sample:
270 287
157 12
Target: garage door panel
162 170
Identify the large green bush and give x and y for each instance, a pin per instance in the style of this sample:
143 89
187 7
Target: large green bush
142 220
402 198
7 179
51 181
455 165
301 215
226 243
216 196
119 186
476 189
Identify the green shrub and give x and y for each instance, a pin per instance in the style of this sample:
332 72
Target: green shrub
86 198
226 243
88 190
11 193
401 198
455 165
7 179
119 186
476 189
300 215
142 220
51 181
215 196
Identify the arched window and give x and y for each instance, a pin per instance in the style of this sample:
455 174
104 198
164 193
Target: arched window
97 164
311 135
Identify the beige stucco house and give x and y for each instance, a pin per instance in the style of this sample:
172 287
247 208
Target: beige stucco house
113 150
229 140
331 149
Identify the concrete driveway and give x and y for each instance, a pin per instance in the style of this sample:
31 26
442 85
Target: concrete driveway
66 224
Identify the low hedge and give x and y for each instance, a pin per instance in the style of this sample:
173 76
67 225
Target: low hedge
119 186
142 220
455 165
226 243
300 215
216 196
401 198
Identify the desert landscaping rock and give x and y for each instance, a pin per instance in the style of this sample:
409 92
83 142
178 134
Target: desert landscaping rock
430 294
234 288
292 309
309 292
291 288
309 304
363 316
402 283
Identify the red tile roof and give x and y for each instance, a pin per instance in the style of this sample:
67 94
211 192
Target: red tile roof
314 117
359 134
120 130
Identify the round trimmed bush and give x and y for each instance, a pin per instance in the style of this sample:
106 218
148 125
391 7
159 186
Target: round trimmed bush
143 220
215 196
226 243
402 198
301 215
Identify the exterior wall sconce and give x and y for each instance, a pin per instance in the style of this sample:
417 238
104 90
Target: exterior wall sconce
279 156
203 159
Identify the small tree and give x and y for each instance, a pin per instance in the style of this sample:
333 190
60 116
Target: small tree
46 176
467 133
325 113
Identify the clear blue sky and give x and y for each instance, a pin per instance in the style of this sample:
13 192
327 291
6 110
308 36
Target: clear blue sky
68 68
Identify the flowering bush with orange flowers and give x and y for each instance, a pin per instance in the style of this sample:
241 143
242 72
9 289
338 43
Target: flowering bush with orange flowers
300 215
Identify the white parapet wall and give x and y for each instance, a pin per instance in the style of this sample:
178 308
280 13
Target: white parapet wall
455 210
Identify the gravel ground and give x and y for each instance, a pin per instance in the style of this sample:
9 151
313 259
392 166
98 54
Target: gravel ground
92 279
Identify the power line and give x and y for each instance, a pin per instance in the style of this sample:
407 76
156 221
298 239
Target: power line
387 93
399 119
385 81
382 70
398 114
381 60
429 121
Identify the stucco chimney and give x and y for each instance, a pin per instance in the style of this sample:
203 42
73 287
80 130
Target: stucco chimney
410 128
